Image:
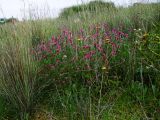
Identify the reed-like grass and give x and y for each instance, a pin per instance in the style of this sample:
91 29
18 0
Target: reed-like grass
18 72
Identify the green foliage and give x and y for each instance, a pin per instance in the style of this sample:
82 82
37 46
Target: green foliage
145 15
2 107
147 46
91 7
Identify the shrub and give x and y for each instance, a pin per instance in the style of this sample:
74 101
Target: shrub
80 56
93 6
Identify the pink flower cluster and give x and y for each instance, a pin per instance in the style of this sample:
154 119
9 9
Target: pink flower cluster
100 40
89 55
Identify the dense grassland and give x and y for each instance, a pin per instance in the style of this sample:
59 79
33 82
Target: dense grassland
94 62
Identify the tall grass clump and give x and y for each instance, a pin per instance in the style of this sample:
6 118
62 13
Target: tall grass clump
18 73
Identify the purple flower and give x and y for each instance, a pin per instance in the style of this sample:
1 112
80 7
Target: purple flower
89 55
86 46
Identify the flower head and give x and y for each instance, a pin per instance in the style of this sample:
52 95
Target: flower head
89 55
144 37
107 40
103 68
79 39
86 46
64 56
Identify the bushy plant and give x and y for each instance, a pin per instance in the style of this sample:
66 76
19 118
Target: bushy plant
91 7
81 56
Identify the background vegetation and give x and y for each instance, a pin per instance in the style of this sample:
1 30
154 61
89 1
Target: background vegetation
95 61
